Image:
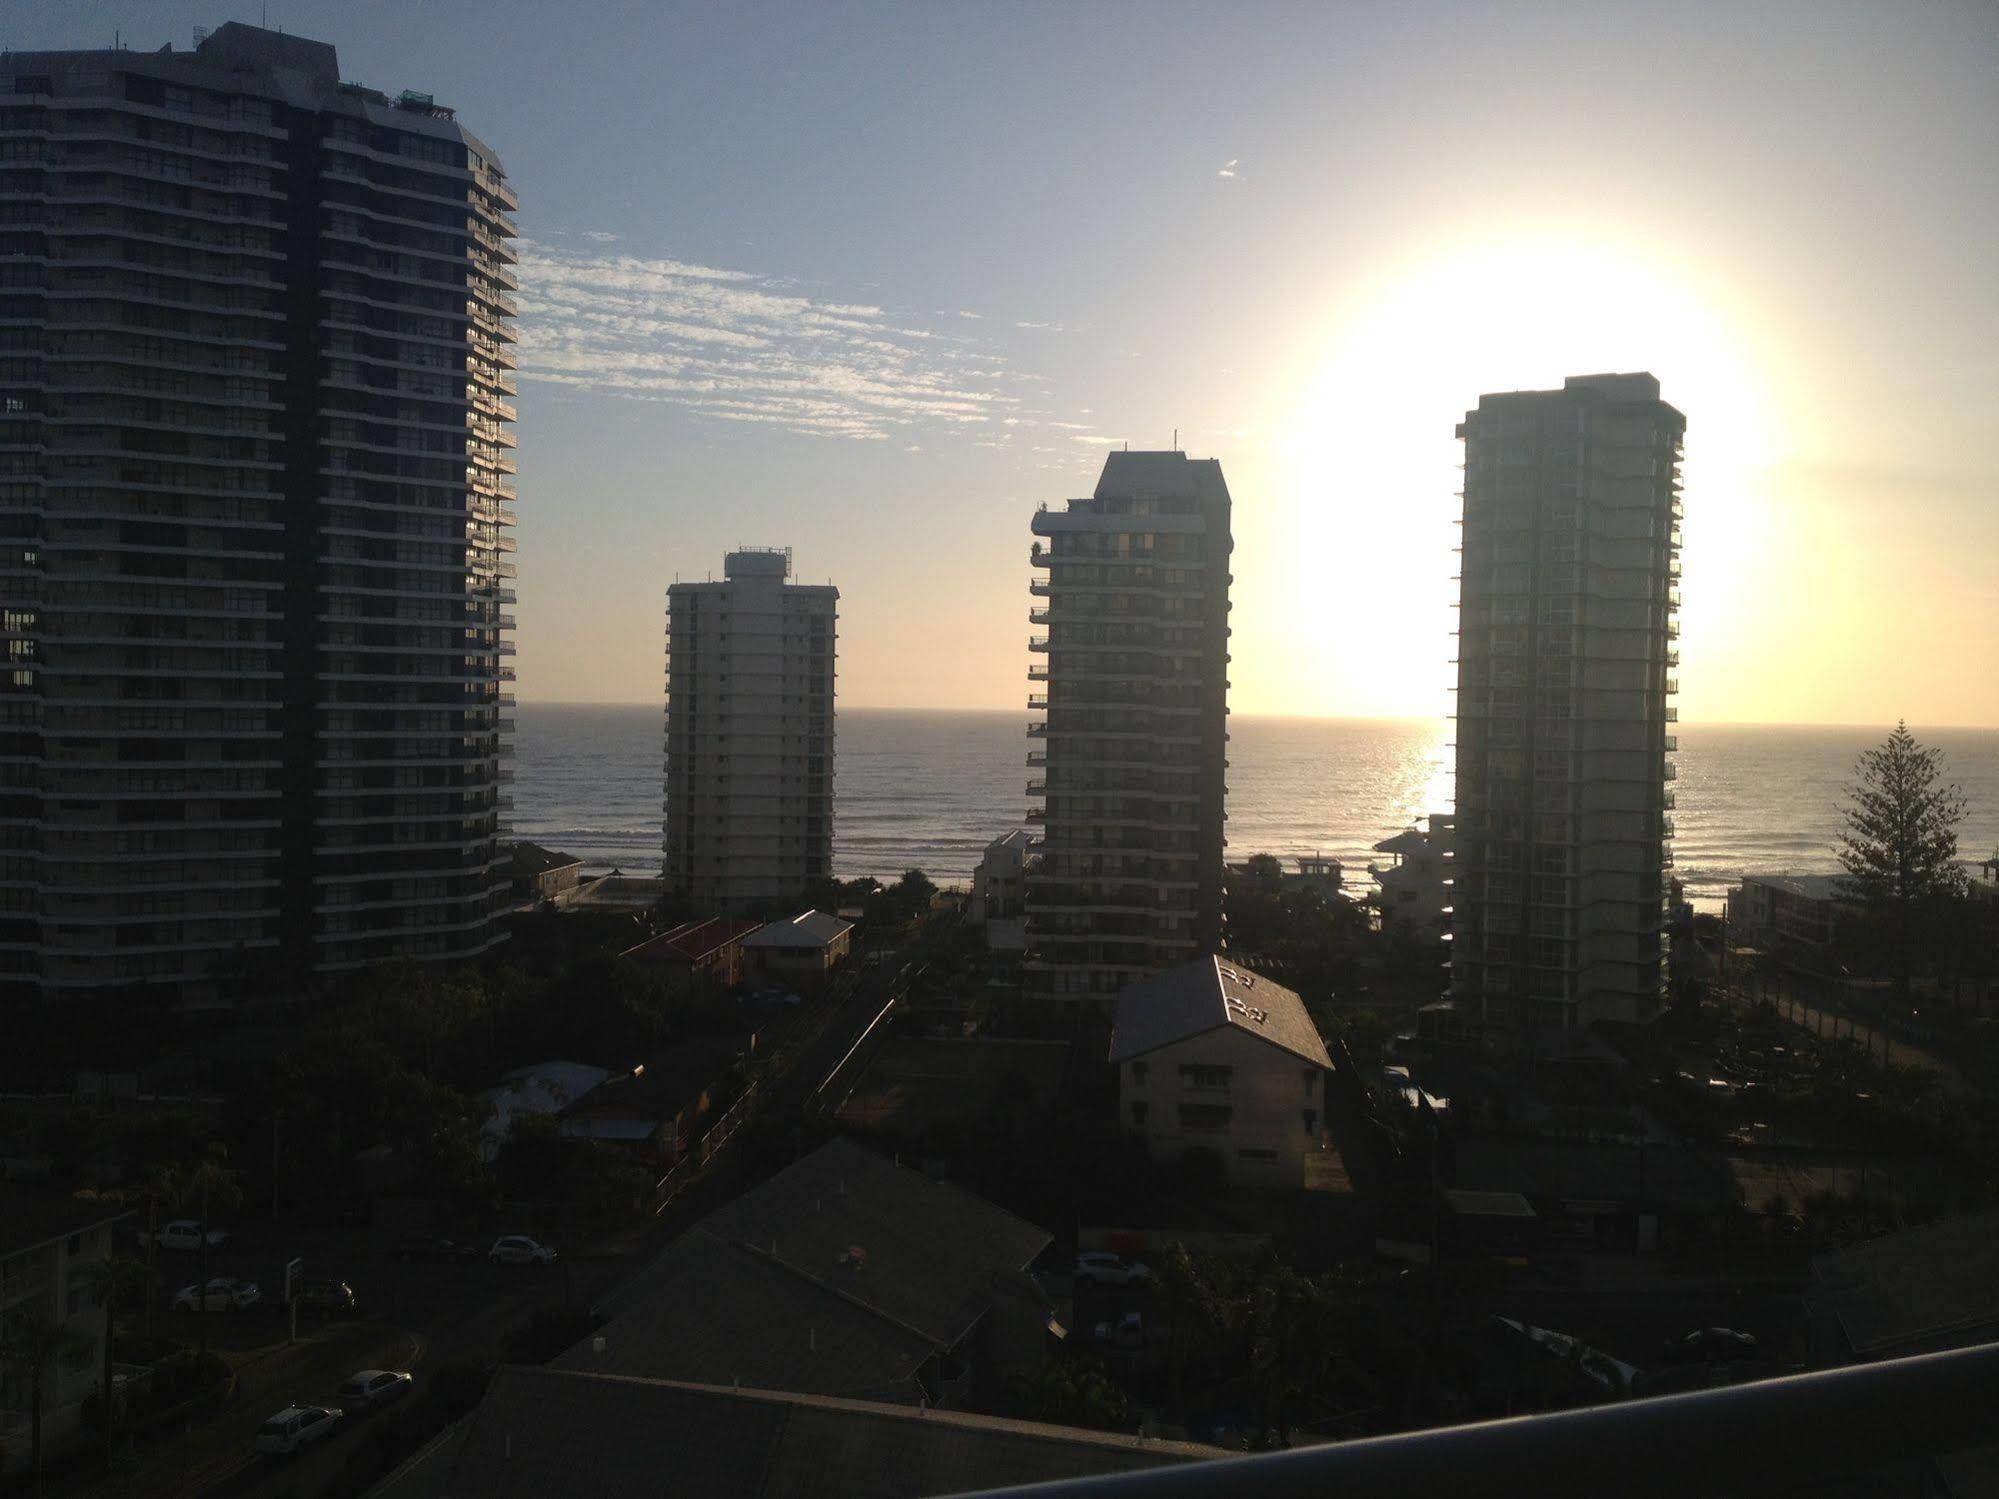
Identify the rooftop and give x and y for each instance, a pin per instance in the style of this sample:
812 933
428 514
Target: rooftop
30 1219
1210 994
1917 1290
532 858
692 941
841 1275
553 1433
1805 886
808 929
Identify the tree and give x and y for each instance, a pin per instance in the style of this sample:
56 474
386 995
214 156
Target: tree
1265 874
33 1340
116 1280
1900 846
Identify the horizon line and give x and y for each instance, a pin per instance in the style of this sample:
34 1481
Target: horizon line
1702 723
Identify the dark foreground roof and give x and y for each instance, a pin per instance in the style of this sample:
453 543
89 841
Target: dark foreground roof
841 1275
1922 1289
552 1434
29 1218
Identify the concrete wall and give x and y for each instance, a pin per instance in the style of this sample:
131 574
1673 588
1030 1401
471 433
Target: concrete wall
1267 1094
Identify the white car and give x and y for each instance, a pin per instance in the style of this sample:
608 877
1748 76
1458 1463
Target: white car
294 1427
519 1249
1127 1333
1107 1269
371 1389
187 1234
220 1295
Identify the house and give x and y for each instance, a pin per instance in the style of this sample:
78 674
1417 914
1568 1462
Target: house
800 952
656 1109
538 874
999 883
48 1248
1413 888
543 1088
1212 1056
699 959
844 1275
1788 912
545 1433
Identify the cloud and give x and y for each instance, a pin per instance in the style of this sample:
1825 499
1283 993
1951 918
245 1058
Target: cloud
602 236
974 316
738 346
1228 167
1047 327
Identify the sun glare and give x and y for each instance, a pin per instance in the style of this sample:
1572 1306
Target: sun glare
1358 521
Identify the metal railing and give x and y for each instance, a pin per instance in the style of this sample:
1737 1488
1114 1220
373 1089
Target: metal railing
1764 1437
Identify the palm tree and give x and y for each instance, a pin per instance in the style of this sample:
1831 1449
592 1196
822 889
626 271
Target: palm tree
116 1280
34 1341
211 1181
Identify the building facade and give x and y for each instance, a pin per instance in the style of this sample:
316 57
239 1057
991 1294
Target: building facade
1413 886
1129 760
1789 912
50 1251
255 478
1567 648
1211 1056
749 735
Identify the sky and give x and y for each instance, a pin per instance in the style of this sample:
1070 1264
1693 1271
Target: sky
874 281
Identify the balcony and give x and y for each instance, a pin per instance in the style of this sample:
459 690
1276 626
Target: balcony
1037 616
1038 643
1037 702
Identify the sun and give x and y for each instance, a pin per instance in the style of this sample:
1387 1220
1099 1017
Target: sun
1350 556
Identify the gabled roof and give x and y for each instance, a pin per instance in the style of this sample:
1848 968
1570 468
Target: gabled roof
1408 841
840 1275
532 858
692 941
1805 886
556 1433
1211 994
810 929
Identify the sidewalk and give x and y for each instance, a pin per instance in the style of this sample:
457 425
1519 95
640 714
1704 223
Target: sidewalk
267 1379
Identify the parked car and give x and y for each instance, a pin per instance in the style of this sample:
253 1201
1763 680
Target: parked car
326 1298
371 1389
294 1427
519 1249
1709 1345
433 1249
186 1233
221 1294
1106 1269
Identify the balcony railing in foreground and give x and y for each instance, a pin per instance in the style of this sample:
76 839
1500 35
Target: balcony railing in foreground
1766 1437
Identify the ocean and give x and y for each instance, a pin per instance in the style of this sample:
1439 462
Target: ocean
929 790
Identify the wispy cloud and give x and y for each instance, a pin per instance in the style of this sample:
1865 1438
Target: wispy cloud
742 347
1229 167
1046 327
602 236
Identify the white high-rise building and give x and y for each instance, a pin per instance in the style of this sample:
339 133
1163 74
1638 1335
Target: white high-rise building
749 735
1565 683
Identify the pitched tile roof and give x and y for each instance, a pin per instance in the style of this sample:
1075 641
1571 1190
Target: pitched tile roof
1210 994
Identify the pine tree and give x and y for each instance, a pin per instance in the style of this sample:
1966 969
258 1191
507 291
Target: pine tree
1900 846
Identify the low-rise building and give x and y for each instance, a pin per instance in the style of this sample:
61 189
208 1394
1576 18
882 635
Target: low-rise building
1413 886
1788 911
49 1247
801 951
537 874
657 1109
699 959
1211 1056
999 883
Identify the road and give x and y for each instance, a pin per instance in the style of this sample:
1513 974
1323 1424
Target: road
427 1317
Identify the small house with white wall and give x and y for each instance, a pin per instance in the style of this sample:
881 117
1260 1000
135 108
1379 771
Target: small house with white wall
801 951
1213 1056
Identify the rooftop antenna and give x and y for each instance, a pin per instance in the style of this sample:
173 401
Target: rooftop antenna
1176 439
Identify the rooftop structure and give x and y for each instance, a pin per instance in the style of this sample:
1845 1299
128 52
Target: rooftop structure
1130 758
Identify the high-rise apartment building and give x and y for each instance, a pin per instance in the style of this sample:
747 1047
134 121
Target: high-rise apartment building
749 735
1565 683
1130 758
254 479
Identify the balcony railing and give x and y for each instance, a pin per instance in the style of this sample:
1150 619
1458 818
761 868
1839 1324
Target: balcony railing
1768 1437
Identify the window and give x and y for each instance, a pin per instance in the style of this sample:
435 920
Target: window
1311 1120
1205 1116
1138 1115
1139 1070
1311 1080
1193 1075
